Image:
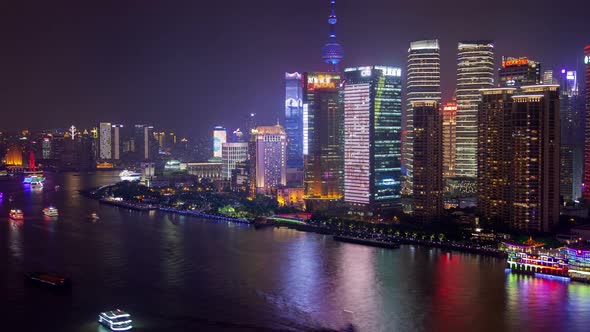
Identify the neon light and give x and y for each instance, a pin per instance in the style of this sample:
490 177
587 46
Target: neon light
515 62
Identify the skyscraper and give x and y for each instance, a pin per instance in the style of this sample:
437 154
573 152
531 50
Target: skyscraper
475 71
518 156
324 160
536 144
294 127
494 179
219 137
548 77
372 137
105 146
144 142
587 136
427 152
449 129
116 129
332 52
423 83
572 135
516 72
269 147
231 154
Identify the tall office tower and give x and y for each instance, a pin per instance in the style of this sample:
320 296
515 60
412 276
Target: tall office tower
535 165
46 147
372 137
160 137
116 130
427 154
587 132
566 172
324 161
572 136
548 77
105 147
516 72
311 82
449 134
332 52
145 145
232 153
423 83
269 153
219 137
294 128
475 71
494 154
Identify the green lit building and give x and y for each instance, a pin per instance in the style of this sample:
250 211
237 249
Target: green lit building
372 137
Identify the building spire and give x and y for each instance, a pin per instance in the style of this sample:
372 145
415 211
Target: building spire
332 52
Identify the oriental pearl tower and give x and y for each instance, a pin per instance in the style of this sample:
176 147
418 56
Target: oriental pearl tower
332 52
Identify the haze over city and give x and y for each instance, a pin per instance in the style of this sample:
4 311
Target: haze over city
312 165
190 65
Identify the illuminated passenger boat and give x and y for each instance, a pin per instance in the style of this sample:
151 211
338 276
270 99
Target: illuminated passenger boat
34 179
579 262
531 258
16 214
116 320
50 211
128 175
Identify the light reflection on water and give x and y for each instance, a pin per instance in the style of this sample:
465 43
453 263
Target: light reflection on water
176 273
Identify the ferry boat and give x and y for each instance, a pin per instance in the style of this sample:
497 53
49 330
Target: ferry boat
531 258
116 320
34 179
50 211
16 214
48 279
127 175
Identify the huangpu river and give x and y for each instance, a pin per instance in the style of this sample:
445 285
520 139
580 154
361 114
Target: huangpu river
180 273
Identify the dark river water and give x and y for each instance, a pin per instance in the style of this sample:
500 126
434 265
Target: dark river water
177 273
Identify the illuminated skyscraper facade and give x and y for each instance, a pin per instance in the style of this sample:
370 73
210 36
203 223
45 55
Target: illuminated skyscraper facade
449 135
535 161
572 135
105 138
423 83
324 160
270 158
372 137
116 131
219 138
427 152
516 72
475 71
587 133
231 154
518 152
494 154
294 127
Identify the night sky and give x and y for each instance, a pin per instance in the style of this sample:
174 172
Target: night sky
190 65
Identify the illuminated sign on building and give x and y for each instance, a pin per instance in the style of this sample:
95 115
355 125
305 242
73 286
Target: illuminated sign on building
367 71
509 62
321 81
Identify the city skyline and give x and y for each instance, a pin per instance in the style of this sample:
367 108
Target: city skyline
120 73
